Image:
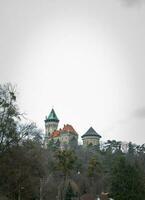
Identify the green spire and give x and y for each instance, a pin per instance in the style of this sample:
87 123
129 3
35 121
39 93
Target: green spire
52 117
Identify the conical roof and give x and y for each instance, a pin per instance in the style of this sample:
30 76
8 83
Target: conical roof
52 117
91 132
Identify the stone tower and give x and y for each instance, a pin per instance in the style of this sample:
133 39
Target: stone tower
91 137
51 124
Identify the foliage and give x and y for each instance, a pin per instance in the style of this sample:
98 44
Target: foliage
20 150
9 114
94 167
69 193
127 181
65 161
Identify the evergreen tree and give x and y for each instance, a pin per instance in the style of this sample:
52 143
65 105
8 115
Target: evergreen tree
65 162
69 193
127 181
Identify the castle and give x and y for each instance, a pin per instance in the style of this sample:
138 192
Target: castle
67 135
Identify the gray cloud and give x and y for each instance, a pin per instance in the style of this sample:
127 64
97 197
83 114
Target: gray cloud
139 113
132 2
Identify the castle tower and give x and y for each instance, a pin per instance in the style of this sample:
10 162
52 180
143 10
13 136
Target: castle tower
91 137
51 124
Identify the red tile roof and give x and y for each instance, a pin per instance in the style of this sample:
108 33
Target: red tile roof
66 128
55 134
69 128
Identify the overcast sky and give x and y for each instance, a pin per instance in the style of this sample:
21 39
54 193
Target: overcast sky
84 58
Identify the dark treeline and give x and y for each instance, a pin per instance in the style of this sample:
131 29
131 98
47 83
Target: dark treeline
30 172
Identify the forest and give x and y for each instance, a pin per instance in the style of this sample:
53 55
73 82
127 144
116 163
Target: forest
28 171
